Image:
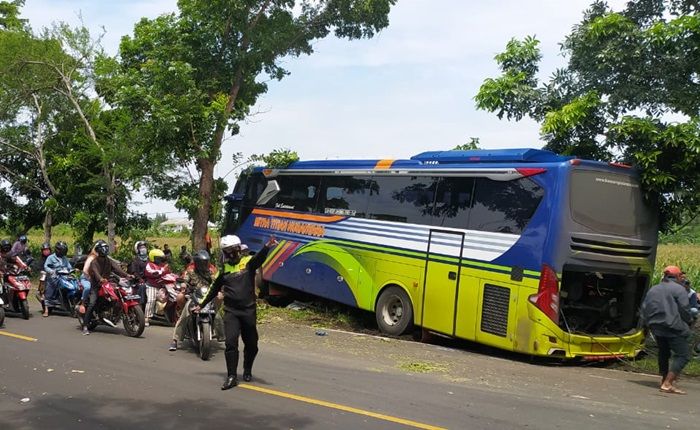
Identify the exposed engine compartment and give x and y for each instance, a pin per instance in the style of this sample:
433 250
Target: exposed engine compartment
596 303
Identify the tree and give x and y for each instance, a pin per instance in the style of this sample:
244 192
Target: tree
9 15
629 93
196 75
472 144
30 111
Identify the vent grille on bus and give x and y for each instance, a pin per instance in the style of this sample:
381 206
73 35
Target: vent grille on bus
494 312
610 249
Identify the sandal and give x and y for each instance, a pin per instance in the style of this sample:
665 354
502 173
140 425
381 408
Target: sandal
672 390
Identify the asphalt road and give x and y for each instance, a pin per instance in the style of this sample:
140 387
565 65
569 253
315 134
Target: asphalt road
303 381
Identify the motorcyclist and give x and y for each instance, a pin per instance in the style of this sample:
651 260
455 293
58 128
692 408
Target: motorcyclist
7 257
155 268
238 284
21 249
100 268
56 261
200 276
45 252
137 267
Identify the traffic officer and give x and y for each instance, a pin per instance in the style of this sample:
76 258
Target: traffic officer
237 281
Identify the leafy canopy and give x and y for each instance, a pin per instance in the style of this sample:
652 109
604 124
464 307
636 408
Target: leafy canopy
630 93
195 75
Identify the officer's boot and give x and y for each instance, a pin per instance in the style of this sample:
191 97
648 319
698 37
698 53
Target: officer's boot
232 369
248 358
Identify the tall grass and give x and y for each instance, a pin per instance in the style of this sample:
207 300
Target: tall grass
685 256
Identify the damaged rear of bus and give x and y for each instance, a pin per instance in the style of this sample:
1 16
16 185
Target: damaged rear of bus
602 247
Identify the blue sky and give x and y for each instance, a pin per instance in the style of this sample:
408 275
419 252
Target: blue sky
408 90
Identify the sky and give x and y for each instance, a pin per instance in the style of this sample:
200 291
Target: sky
409 89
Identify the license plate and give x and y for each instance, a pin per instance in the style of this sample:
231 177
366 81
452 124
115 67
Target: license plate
21 278
132 297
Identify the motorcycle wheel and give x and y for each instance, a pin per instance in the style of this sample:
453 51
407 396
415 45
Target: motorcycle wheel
205 342
24 308
2 316
134 321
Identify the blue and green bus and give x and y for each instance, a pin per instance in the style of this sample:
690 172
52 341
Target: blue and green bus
520 249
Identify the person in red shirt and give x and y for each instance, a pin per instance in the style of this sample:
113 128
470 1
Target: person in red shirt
155 268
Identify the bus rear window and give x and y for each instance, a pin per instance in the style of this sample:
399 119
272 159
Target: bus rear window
609 203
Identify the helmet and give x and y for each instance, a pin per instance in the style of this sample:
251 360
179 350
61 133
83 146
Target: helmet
672 272
23 239
201 262
156 256
101 248
46 249
138 245
141 250
230 241
5 245
61 248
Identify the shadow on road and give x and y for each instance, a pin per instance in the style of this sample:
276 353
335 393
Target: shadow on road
54 411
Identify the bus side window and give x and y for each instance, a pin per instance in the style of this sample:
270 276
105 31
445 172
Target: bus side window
453 202
504 206
402 199
299 193
344 195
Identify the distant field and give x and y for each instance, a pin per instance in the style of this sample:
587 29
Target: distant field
685 256
174 241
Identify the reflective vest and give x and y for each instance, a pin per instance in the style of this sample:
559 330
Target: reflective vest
233 268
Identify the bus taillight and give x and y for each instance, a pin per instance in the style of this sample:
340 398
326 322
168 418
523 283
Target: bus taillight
547 297
530 171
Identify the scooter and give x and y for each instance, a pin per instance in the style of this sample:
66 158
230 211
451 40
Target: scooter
199 328
117 302
69 292
16 286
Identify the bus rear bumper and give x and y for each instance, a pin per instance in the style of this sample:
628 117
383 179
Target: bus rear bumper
554 342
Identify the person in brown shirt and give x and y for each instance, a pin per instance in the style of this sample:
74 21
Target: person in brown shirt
100 268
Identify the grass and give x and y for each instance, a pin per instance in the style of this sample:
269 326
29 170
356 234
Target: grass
685 256
422 367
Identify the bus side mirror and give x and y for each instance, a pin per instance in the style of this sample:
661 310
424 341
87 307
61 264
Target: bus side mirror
271 190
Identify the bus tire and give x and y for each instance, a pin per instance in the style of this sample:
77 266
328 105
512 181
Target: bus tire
394 311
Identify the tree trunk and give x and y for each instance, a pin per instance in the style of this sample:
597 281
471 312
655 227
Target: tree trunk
48 225
111 222
206 188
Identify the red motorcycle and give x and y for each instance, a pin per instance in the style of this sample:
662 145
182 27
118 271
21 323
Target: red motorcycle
15 290
169 285
116 301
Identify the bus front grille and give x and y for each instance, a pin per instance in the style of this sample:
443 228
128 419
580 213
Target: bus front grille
610 249
494 310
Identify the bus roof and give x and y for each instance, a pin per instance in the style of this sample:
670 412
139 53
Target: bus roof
441 158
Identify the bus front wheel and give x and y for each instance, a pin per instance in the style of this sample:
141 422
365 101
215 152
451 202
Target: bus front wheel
394 311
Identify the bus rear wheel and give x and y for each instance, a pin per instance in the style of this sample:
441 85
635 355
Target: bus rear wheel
394 311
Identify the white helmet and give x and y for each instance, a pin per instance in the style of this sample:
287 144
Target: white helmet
230 241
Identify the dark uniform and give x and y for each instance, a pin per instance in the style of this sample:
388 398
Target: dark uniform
238 284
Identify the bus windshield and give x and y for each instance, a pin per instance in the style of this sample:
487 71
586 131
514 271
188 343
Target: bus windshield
609 203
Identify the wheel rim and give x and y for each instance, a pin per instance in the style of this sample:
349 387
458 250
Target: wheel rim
392 312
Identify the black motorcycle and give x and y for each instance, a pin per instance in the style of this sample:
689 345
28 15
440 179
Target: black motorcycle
199 327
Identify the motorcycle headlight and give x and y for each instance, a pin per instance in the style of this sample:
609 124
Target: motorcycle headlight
204 290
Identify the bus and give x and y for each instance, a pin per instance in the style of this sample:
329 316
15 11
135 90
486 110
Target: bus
520 249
